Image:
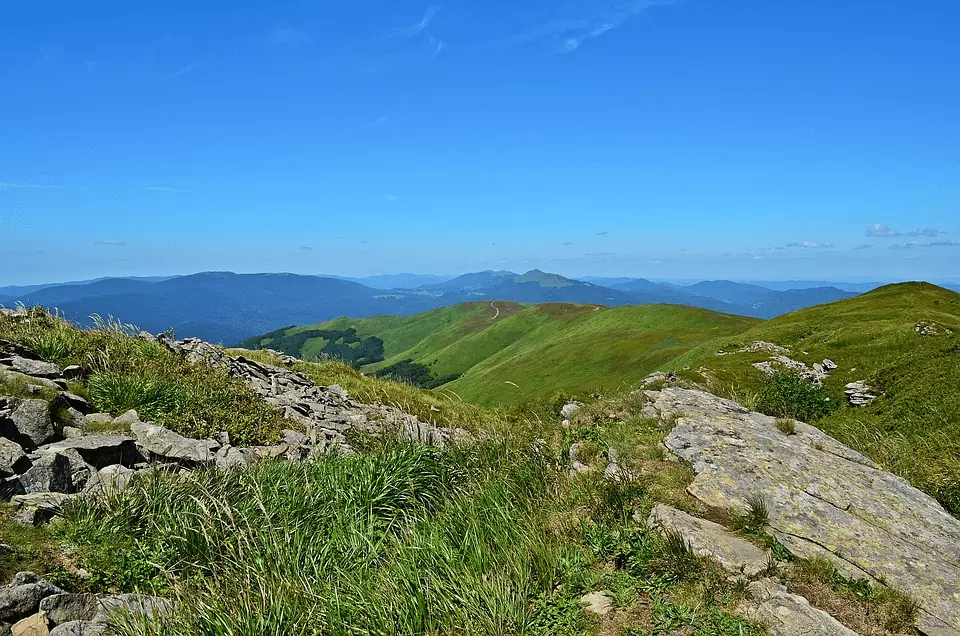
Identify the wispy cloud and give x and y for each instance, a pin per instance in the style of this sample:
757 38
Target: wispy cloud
186 70
8 185
288 37
393 198
306 248
567 244
167 189
416 29
602 233
810 245
112 242
882 230
570 33
863 246
916 244
379 121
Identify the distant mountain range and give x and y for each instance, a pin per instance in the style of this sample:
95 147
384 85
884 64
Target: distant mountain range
227 307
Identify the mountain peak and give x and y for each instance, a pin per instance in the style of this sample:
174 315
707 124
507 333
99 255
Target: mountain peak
545 279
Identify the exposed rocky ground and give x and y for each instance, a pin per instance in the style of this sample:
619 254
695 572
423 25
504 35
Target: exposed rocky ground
823 500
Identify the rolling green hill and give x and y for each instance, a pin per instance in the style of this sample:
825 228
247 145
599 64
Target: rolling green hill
913 427
503 352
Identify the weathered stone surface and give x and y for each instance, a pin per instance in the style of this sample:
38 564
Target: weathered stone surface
13 460
35 625
859 394
38 508
134 605
63 608
110 479
821 493
597 603
28 422
791 615
49 473
569 409
229 457
36 368
97 418
22 597
75 402
100 450
734 554
129 417
162 443
79 628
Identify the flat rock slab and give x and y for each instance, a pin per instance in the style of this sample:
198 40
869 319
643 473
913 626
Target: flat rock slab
100 450
166 444
791 615
705 538
824 499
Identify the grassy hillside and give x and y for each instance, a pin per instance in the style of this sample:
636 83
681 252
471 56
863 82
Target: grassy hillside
504 352
913 428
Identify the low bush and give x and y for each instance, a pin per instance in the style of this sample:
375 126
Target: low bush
788 395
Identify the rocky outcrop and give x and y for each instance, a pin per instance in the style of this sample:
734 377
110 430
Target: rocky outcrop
816 373
326 413
859 394
705 538
790 615
162 444
27 421
37 607
824 499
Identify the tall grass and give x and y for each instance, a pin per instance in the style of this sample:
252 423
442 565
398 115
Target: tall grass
403 540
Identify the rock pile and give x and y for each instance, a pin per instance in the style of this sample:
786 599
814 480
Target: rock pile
326 413
45 461
30 605
816 373
859 394
823 500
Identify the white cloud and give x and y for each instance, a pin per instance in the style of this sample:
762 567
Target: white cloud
165 189
882 230
393 198
112 242
810 245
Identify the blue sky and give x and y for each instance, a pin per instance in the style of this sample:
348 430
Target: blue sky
750 139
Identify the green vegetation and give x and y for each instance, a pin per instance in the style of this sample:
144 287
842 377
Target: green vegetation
493 536
789 395
128 372
912 428
504 353
337 344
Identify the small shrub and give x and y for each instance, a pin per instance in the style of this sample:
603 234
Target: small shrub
786 426
790 395
673 559
755 518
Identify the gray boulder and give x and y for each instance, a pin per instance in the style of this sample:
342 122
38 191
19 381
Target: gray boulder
13 460
22 597
38 508
75 402
100 450
79 628
110 479
569 409
36 368
162 443
49 473
64 608
789 614
129 417
135 606
824 500
28 422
